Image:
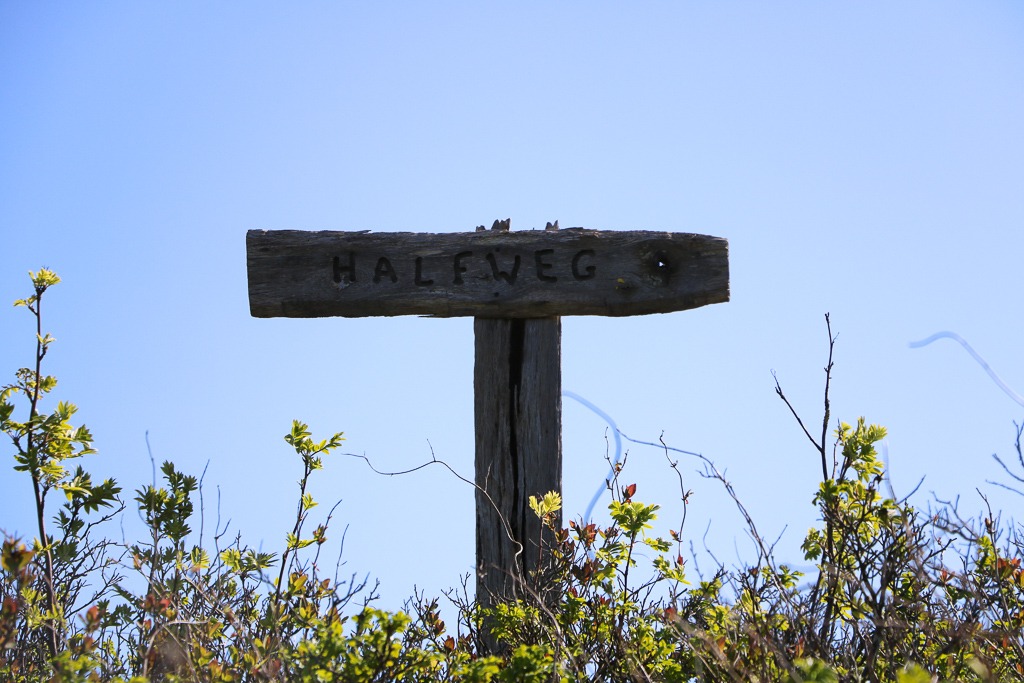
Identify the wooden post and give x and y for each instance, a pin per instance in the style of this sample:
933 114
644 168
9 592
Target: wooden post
517 387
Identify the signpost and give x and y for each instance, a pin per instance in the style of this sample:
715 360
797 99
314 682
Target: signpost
515 285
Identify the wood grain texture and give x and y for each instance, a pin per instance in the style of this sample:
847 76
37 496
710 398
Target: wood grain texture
518 405
490 273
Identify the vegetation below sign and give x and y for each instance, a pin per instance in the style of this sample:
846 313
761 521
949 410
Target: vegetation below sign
892 593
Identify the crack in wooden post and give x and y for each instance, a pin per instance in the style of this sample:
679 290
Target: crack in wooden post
517 397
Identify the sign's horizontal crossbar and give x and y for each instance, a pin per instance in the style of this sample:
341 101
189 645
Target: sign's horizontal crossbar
497 274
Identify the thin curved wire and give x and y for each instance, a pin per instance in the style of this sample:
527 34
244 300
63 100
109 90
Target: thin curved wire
618 448
974 354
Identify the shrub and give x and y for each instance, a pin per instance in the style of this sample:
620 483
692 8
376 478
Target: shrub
898 595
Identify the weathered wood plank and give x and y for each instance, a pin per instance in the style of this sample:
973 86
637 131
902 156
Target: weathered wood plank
518 408
492 273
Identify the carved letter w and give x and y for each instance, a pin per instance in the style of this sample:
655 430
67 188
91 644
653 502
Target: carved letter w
502 275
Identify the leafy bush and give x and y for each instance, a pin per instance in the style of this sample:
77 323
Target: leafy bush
898 595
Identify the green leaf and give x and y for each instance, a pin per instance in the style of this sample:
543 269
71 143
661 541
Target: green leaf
815 670
912 673
42 279
548 505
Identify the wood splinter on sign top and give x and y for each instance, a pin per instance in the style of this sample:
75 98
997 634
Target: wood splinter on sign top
515 284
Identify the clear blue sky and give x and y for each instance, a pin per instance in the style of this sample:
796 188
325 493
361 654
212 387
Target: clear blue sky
864 159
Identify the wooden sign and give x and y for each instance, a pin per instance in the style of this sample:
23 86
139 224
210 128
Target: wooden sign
489 273
516 285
